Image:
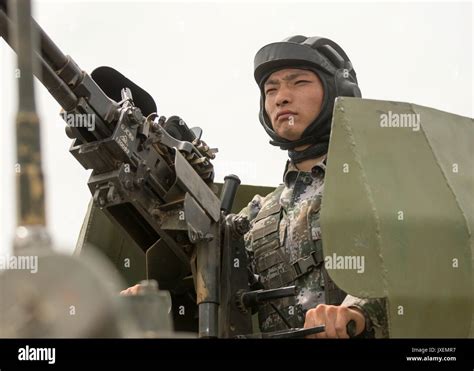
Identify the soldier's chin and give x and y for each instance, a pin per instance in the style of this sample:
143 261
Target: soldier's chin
289 134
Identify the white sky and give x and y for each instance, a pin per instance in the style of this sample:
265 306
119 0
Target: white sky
196 60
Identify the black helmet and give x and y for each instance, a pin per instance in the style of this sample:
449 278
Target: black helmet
325 58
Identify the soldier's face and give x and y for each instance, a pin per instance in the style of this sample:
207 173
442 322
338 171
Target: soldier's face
293 99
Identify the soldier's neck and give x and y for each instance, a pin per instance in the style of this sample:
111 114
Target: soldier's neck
308 164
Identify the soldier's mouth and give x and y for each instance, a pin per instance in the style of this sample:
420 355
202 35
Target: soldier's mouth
285 115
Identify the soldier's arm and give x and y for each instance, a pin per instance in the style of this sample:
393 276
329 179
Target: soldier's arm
375 314
250 212
369 316
335 319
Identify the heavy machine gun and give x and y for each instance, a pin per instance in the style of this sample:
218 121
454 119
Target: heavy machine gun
153 178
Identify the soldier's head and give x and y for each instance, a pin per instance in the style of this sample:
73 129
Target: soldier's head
293 100
299 79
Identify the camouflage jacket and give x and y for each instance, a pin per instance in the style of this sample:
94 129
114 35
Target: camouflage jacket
285 235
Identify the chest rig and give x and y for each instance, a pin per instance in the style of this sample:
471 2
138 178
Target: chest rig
275 269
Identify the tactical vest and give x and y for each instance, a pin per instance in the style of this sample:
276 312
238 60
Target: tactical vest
276 270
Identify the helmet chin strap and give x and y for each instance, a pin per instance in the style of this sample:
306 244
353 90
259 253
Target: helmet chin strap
314 151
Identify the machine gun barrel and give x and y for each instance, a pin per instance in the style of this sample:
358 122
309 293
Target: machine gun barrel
46 66
74 90
151 176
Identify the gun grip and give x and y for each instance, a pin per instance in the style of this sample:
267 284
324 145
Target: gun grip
351 328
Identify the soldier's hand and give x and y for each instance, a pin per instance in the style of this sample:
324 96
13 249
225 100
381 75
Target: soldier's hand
335 319
134 290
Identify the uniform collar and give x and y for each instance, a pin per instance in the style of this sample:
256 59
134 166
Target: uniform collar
291 170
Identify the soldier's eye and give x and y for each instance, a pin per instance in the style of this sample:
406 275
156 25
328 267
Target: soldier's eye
300 82
269 91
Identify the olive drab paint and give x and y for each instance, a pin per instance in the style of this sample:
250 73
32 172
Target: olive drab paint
404 209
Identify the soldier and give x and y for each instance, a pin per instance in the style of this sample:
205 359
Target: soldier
299 79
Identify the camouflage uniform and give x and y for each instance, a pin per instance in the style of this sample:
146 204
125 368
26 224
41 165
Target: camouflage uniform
285 248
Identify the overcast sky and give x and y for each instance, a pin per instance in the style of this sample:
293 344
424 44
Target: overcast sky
196 60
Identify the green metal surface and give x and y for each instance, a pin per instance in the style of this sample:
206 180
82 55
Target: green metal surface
403 199
125 255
